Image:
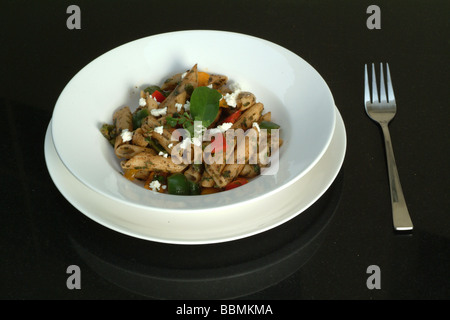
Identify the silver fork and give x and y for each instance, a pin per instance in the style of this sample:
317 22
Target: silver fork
383 111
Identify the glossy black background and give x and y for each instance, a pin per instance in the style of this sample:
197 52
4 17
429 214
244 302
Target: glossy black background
325 252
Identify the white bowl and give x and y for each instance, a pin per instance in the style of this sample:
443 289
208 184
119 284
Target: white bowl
297 96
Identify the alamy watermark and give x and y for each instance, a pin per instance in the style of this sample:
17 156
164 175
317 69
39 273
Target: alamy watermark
374 20
74 280
374 280
74 20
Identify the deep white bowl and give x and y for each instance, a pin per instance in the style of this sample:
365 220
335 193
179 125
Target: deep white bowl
297 96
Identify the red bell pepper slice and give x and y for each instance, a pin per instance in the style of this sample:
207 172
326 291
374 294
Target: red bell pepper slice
158 96
233 117
236 183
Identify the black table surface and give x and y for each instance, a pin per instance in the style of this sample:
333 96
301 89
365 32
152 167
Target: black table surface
336 249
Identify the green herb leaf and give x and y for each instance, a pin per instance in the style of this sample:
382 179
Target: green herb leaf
183 120
205 105
172 122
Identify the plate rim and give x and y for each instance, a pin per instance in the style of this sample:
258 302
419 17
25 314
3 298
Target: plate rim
121 229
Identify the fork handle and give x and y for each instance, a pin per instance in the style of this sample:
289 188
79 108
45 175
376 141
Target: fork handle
400 215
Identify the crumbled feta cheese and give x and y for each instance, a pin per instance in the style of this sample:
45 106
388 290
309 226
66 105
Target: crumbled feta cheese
225 126
164 154
231 98
155 185
159 129
142 102
178 106
210 85
221 128
126 135
170 145
184 75
164 186
187 106
159 112
256 125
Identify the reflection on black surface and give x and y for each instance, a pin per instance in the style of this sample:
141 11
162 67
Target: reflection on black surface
216 271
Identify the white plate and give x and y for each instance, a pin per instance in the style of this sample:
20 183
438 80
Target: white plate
298 97
202 227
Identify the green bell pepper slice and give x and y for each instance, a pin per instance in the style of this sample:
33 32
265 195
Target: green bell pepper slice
268 125
155 145
178 184
139 116
194 188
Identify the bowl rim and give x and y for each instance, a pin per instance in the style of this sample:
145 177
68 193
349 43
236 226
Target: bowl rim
232 193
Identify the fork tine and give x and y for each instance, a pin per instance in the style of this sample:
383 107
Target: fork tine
366 86
374 86
391 97
383 97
